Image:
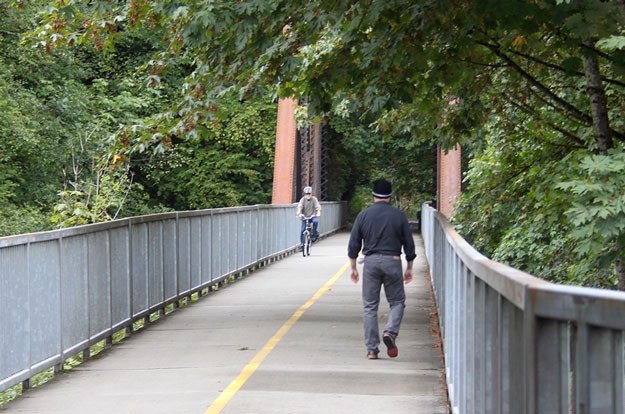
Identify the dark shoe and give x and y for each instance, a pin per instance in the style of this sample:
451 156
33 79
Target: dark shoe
389 341
372 356
300 248
314 238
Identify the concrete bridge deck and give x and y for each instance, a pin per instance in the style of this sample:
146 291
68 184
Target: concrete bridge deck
284 339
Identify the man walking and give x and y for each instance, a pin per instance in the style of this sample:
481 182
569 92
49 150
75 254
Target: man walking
381 231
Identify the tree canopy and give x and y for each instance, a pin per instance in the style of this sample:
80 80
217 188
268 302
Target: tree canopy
392 60
66 112
532 89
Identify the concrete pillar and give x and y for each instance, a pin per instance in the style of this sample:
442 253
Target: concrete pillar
449 179
284 163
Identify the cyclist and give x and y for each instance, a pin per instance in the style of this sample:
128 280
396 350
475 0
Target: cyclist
308 206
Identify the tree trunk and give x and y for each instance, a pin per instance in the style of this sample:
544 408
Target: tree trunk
598 101
619 265
620 274
601 123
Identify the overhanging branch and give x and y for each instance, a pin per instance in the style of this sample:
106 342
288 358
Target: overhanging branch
579 143
572 110
561 69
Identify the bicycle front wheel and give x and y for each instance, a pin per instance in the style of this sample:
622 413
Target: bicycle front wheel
307 243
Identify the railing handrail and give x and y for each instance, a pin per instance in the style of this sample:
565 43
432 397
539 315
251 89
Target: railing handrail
92 227
65 290
518 344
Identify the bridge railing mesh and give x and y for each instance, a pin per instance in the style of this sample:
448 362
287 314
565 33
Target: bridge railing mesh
514 343
62 291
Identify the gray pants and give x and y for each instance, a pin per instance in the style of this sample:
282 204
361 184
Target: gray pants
381 271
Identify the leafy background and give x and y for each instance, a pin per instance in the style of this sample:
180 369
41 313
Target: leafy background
136 106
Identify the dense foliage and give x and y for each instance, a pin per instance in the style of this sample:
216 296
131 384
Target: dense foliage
229 163
65 112
532 89
365 155
542 184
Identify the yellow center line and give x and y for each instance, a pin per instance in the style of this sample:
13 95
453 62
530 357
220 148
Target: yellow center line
255 362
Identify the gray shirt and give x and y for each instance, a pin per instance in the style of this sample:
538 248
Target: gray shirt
384 230
309 207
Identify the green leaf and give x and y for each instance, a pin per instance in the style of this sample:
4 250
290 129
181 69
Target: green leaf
572 64
611 43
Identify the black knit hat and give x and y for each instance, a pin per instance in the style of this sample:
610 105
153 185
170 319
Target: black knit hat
382 189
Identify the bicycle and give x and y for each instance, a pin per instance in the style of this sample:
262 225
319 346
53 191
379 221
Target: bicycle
307 236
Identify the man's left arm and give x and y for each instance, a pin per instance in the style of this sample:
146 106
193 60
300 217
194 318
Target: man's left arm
354 245
353 274
317 207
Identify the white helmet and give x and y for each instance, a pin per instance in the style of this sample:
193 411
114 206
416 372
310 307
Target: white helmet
308 190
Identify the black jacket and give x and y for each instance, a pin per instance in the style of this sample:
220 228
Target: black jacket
384 230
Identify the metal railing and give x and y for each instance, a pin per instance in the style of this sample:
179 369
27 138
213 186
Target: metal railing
65 290
517 344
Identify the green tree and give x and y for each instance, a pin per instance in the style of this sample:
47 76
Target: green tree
228 163
440 70
363 155
59 111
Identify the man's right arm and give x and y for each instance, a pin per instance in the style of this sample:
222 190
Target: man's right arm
300 205
408 273
409 249
408 241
